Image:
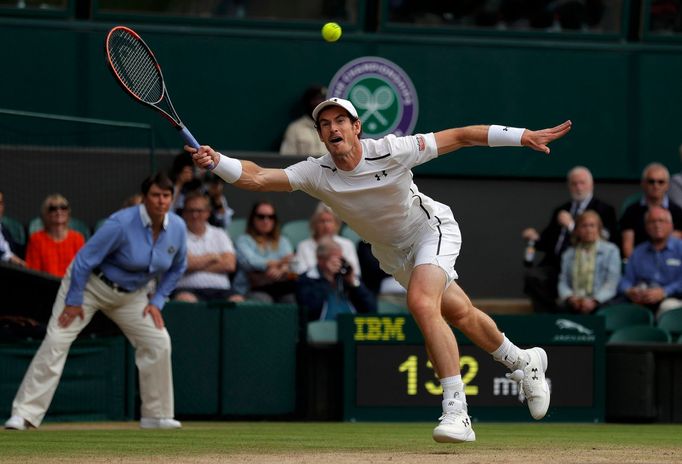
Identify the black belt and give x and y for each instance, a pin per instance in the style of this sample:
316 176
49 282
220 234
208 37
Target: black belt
98 272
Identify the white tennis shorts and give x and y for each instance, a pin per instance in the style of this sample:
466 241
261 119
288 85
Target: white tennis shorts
437 242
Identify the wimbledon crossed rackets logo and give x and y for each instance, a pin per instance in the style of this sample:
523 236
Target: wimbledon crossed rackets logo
372 103
382 93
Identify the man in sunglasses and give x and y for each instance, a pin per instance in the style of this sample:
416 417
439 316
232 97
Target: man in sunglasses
368 184
112 273
655 182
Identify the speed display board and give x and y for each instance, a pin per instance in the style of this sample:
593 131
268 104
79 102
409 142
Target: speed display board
388 376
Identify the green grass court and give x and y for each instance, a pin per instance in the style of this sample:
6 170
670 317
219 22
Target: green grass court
293 442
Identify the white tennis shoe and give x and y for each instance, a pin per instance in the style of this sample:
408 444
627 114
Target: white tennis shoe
16 423
159 423
530 374
455 423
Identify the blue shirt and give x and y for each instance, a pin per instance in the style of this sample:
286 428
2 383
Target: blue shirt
655 268
124 249
255 258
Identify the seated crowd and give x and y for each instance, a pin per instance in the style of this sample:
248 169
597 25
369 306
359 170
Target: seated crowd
589 257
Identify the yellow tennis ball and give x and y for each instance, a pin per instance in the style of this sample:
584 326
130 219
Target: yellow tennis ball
331 32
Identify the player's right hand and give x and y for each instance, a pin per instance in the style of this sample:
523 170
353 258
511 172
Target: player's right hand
205 157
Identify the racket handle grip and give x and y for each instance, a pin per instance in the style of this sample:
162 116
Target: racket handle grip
191 141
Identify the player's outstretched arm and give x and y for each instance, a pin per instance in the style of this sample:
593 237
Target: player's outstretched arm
244 174
499 136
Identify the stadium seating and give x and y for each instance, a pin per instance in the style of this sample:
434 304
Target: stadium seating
236 228
322 332
350 234
296 231
36 224
671 321
640 333
623 315
15 229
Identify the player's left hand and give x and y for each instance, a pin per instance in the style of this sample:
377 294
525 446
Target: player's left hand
538 140
155 313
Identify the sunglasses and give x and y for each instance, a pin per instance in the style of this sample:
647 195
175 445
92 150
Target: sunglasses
53 208
656 181
263 217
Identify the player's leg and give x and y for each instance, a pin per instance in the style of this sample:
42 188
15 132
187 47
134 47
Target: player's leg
424 298
424 295
528 366
42 377
152 357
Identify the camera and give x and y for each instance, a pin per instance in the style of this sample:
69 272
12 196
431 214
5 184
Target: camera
345 267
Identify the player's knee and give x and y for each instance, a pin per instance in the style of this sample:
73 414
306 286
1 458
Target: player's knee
457 310
421 306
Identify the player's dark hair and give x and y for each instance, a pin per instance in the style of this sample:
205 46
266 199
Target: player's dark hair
160 179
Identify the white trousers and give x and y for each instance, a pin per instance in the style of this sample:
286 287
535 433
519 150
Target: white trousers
152 351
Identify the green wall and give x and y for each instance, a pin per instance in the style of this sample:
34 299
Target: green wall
236 89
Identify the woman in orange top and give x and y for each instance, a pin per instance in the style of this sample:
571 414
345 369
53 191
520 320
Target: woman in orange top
52 249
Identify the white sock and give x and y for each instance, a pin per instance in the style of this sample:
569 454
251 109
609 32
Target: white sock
453 387
508 354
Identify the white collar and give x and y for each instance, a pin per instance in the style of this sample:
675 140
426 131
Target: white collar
147 221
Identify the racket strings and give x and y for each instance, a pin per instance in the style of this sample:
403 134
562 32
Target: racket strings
136 67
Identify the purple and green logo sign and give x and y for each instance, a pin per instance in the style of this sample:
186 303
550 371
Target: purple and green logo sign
382 93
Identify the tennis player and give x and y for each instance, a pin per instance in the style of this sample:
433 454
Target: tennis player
368 183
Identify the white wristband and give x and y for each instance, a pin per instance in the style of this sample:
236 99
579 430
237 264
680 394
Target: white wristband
504 136
229 169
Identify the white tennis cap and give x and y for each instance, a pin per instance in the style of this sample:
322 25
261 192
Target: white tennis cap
345 104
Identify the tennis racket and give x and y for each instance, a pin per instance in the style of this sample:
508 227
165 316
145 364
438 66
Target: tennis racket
135 68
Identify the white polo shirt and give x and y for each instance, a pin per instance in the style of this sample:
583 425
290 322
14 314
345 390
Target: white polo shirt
377 199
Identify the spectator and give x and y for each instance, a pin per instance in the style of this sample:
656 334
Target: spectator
655 182
111 273
653 274
8 247
52 249
221 213
264 257
540 282
590 269
184 179
324 223
210 256
6 253
301 137
331 287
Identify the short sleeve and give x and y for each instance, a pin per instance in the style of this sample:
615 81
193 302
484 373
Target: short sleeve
224 242
303 175
412 150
